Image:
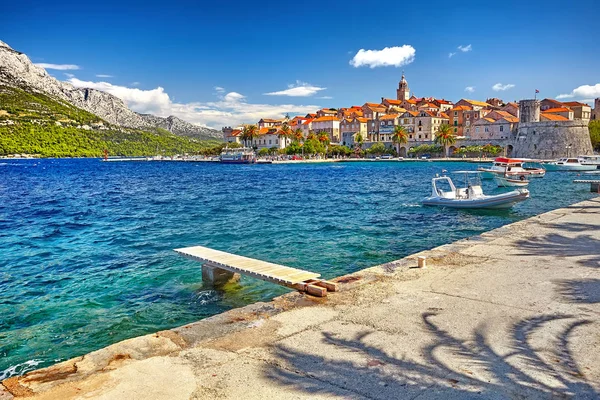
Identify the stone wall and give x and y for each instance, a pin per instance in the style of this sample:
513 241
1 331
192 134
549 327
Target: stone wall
550 139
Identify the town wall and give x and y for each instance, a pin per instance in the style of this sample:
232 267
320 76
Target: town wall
551 139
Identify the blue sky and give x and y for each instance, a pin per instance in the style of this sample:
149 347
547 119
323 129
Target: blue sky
213 62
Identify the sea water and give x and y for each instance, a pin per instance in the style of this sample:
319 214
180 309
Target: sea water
86 247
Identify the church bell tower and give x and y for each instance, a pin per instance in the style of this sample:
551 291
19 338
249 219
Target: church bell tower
403 92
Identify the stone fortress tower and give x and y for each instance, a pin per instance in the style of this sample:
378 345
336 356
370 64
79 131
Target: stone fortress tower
548 139
403 92
596 110
529 110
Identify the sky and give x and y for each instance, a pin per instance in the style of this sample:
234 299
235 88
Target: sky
224 63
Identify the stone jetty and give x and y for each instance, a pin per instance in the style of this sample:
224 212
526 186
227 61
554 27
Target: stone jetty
512 313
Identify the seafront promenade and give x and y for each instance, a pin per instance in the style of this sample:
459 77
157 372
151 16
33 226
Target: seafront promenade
512 313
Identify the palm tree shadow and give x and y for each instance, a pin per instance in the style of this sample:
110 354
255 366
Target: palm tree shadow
365 370
580 291
559 245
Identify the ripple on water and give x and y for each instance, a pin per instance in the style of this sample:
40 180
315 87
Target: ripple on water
85 265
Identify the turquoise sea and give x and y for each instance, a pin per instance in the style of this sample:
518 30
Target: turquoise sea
86 248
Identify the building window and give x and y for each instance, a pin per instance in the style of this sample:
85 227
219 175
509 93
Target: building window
456 113
419 131
455 123
477 129
501 128
455 130
486 129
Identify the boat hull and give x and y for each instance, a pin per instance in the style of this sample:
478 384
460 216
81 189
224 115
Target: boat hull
503 182
504 200
238 161
563 167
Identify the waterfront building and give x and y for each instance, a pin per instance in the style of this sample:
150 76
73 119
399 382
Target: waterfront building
443 104
552 117
329 124
354 111
306 126
392 106
232 135
407 120
269 138
458 119
350 128
496 125
512 108
474 104
562 111
550 103
387 123
270 123
327 112
580 110
373 110
427 124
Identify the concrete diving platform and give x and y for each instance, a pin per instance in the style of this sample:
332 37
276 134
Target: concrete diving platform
220 267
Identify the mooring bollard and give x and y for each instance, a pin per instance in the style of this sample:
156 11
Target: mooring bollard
422 261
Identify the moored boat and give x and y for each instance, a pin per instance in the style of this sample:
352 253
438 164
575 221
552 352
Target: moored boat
241 155
512 167
444 193
505 181
570 164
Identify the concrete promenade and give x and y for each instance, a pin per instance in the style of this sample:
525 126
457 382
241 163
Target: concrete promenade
513 313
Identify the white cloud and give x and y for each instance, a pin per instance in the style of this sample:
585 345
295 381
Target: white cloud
324 97
104 76
389 56
135 83
230 109
466 48
500 87
470 89
68 75
298 89
584 91
62 67
219 89
450 55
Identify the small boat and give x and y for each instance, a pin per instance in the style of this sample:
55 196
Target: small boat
445 194
512 167
591 160
570 164
241 155
506 181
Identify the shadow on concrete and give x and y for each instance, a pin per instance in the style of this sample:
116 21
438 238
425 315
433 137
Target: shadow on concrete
450 367
559 245
580 291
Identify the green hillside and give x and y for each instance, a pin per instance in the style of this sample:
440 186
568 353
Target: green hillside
33 123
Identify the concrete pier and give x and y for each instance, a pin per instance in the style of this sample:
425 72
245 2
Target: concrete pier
512 313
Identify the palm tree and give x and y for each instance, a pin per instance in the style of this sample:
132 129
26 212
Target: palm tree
311 136
358 140
284 133
399 137
298 135
249 133
445 137
323 137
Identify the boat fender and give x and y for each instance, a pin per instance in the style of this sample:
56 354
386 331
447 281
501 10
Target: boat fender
522 177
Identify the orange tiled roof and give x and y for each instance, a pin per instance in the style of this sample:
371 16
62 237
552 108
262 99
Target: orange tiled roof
235 132
411 101
556 110
554 117
265 131
512 118
477 103
270 120
442 101
556 102
462 108
392 101
308 121
444 115
413 113
575 104
388 116
492 120
325 119
363 120
512 104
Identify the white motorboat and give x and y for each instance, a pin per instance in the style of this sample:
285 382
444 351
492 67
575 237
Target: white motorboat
591 160
570 164
506 181
241 155
512 167
445 194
